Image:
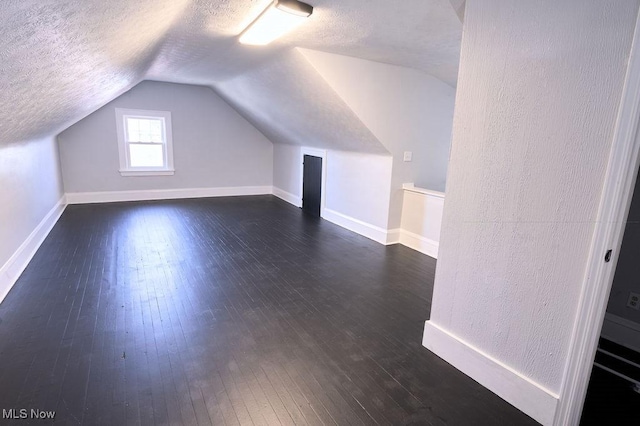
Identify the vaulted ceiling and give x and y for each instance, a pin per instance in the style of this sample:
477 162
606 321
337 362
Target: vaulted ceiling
60 60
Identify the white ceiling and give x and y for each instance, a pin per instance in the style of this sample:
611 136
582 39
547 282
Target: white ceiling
60 60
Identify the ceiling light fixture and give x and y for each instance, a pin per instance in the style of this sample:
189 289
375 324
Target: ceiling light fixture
278 19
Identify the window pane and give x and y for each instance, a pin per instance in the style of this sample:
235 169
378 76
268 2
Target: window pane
146 155
144 130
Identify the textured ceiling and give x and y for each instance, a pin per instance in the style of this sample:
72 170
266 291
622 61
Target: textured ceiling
421 34
60 60
288 101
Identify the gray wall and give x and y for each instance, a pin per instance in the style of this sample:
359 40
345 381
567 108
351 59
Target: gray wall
213 145
30 186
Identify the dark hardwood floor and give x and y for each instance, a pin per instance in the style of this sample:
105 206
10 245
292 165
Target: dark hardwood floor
227 311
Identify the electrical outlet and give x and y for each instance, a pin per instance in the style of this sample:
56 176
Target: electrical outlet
408 156
634 301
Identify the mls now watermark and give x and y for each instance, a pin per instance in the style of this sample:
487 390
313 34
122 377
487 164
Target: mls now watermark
24 413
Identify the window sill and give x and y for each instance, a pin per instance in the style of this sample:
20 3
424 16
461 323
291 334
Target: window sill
129 173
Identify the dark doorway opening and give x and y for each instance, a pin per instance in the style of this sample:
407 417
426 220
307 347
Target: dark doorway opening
312 185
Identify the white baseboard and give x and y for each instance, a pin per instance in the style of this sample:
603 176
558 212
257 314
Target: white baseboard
359 227
508 384
418 242
621 331
13 268
381 235
164 194
287 196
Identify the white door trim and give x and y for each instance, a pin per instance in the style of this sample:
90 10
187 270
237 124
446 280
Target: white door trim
316 153
608 232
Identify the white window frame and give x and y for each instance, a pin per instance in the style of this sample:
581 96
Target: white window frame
125 169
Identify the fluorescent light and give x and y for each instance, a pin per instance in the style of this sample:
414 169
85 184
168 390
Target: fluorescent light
278 19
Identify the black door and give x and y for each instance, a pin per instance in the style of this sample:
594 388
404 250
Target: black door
312 185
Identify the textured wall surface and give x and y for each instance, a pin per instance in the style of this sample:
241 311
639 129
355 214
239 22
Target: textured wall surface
537 97
213 145
31 187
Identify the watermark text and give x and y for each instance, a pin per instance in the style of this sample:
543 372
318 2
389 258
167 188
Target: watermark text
27 413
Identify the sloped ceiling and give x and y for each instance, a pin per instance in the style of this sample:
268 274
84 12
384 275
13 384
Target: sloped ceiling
289 102
60 60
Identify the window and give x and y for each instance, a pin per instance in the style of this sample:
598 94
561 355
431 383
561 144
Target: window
144 142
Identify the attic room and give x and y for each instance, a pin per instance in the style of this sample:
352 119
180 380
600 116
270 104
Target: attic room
392 213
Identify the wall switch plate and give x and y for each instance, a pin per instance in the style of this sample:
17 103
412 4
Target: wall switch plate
408 155
634 301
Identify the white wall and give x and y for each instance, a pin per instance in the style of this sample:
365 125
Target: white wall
407 110
537 96
421 219
30 187
213 145
358 186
